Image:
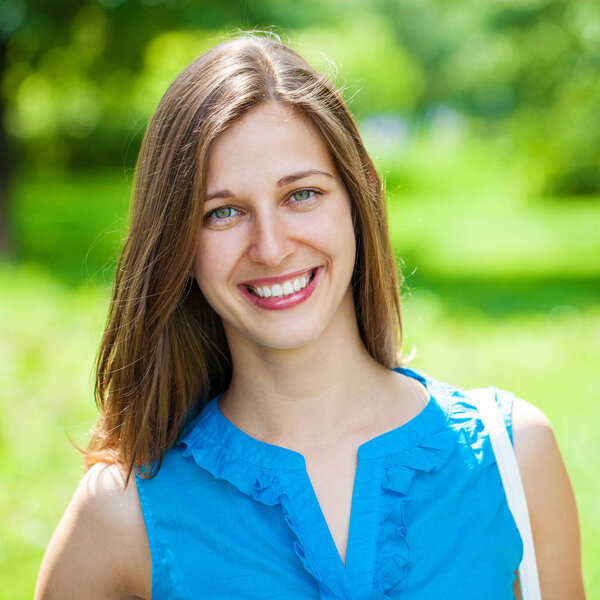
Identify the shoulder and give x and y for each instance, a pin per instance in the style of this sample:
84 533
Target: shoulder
549 493
103 495
536 448
537 452
99 548
532 430
539 458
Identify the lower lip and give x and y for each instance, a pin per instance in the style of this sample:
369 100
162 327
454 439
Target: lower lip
285 301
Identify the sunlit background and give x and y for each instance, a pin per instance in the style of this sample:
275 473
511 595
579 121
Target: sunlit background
483 119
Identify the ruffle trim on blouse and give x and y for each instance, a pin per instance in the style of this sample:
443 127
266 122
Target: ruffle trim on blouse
262 484
393 553
460 426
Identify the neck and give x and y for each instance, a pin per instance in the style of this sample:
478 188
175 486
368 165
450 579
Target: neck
292 397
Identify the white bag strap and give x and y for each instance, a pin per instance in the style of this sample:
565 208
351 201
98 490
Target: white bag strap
485 401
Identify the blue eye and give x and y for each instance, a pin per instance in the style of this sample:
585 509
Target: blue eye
223 213
305 197
301 195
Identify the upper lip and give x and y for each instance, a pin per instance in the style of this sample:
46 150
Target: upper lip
279 279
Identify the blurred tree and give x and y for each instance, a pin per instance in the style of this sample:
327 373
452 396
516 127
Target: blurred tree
5 169
556 85
528 70
376 73
11 17
69 71
72 66
79 79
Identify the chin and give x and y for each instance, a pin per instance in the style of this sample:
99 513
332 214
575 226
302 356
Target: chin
279 338
287 342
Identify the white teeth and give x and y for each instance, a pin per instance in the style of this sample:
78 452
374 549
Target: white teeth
284 289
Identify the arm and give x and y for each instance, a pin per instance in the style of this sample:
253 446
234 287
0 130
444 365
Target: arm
551 504
99 549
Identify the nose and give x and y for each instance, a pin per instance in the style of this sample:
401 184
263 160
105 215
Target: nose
270 240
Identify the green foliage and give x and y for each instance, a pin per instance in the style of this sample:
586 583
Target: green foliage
82 79
162 60
74 225
377 74
71 68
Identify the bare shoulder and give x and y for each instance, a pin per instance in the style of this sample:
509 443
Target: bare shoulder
532 429
549 493
100 548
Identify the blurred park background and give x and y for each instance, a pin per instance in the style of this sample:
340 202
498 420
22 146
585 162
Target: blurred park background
483 119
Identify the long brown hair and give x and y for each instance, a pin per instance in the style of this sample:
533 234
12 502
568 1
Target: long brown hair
164 351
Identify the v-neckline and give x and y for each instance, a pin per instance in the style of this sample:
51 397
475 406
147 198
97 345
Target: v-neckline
317 547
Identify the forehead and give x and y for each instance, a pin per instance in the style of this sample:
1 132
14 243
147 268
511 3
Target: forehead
269 142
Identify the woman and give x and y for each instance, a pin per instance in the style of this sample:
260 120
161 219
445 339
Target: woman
249 378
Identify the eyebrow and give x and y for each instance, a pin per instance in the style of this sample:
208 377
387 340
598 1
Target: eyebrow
285 180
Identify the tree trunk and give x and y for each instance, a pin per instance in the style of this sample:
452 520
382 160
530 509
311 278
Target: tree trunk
6 164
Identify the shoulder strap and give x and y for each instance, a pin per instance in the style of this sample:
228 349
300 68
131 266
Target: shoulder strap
485 401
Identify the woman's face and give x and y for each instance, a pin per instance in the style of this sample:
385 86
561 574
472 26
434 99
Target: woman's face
276 251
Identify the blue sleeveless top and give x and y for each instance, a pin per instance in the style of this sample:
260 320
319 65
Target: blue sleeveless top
230 517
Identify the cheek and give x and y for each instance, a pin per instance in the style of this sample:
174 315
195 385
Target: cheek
336 231
211 262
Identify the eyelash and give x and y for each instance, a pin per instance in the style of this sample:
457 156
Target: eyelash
211 218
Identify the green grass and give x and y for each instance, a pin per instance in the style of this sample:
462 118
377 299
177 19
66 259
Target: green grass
500 290
48 335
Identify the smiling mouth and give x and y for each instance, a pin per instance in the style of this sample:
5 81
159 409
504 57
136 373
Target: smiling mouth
283 289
